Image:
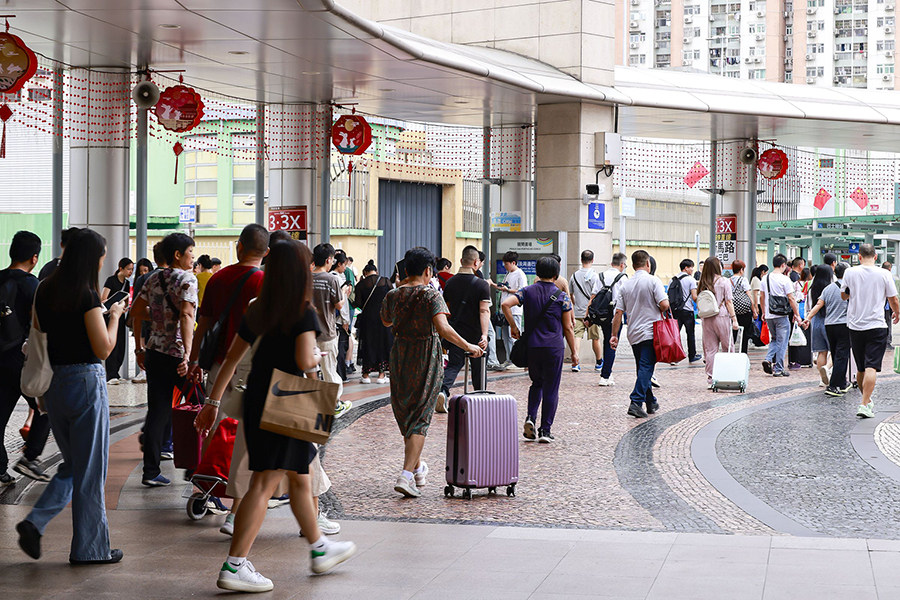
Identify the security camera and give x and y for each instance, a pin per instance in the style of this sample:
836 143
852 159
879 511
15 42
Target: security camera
748 155
592 189
145 94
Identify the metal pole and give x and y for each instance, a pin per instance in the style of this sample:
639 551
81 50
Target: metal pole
697 241
622 222
713 195
57 197
486 204
751 200
141 186
260 204
325 188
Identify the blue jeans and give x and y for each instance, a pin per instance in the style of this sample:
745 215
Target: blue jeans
645 359
492 348
609 354
78 408
779 333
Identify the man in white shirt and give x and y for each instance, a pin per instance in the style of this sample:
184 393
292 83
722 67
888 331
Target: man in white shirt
514 281
866 288
644 298
777 298
583 286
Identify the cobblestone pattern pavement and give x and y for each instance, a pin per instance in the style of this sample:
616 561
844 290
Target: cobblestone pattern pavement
887 437
797 457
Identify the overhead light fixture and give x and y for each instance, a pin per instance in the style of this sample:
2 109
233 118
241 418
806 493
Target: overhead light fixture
668 120
238 52
310 73
868 135
460 101
387 90
169 26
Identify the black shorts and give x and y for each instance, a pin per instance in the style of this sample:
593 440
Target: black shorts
868 348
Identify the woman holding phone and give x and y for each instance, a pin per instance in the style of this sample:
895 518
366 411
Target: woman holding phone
117 282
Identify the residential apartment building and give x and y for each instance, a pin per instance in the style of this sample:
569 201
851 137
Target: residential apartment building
847 43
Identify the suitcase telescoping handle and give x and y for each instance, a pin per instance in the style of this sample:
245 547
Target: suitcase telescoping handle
469 357
740 340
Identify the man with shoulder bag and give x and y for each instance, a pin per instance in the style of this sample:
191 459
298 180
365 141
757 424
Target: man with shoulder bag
781 310
682 294
584 285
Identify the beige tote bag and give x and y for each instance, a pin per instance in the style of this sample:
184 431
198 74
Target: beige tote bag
300 407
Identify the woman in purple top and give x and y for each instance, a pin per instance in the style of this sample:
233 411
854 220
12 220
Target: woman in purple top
545 331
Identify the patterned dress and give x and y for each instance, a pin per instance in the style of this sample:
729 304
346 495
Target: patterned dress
417 363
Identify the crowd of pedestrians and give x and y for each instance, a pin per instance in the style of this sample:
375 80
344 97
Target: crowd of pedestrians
285 307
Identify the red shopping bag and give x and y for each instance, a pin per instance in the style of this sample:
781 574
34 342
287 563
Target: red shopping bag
216 461
186 440
667 340
764 334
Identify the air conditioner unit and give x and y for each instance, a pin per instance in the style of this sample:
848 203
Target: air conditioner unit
886 77
836 80
865 55
787 38
760 14
712 18
656 45
748 60
787 61
689 19
760 37
810 57
889 53
635 2
737 16
687 40
810 34
635 45
634 24
757 59
687 62
888 7
837 11
888 29
811 11
810 80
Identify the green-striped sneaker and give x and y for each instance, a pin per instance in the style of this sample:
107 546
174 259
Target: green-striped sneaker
242 579
342 407
866 410
333 555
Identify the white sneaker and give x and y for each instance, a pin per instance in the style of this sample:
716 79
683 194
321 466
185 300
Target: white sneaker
382 380
228 526
406 487
866 411
365 380
421 476
333 555
112 382
441 406
243 579
139 378
606 382
327 526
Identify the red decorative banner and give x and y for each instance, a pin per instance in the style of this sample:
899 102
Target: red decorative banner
351 134
179 108
697 172
822 199
17 63
860 197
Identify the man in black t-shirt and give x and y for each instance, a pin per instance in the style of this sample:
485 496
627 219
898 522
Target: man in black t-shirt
17 288
468 298
48 269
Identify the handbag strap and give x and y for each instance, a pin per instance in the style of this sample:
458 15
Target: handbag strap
366 303
235 295
578 285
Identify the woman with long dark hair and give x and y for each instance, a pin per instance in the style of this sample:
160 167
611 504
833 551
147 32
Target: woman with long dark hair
818 338
117 282
168 300
743 303
716 329
418 316
375 340
285 324
68 310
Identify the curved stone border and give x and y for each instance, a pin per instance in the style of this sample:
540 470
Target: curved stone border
862 438
703 452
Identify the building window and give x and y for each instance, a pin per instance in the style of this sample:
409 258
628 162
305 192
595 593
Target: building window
201 185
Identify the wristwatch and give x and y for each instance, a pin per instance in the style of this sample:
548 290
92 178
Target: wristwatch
211 402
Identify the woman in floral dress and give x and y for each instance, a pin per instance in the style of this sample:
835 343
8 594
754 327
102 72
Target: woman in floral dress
418 316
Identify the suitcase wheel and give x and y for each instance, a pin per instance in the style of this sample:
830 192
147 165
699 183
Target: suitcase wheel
449 491
492 490
196 506
511 491
467 494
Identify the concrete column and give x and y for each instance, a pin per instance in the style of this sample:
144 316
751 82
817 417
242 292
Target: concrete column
770 251
815 254
293 133
782 248
98 171
510 161
565 163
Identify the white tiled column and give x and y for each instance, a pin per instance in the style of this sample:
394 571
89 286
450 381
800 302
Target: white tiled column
98 180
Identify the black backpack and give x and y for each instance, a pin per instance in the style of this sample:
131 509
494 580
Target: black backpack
601 309
676 294
11 331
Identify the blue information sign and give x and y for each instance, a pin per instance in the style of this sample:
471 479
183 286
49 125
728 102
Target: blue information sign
596 215
853 248
187 213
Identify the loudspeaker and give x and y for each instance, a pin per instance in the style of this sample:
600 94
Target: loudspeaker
748 156
145 94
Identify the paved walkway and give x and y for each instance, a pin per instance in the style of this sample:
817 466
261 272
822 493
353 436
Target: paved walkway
777 493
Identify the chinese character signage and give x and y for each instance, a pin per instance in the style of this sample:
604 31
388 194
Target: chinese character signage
726 240
291 219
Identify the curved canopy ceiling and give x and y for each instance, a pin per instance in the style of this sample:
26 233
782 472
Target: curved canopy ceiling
289 51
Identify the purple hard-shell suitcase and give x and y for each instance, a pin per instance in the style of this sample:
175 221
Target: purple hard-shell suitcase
482 445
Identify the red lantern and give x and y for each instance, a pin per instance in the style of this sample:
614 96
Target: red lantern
179 108
17 65
351 134
772 164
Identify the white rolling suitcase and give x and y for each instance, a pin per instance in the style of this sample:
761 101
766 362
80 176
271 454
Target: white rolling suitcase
731 371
